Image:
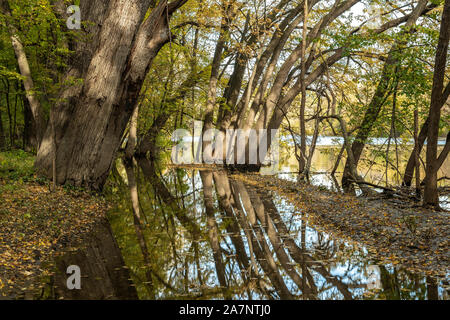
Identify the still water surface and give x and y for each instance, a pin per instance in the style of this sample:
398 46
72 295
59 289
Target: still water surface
204 235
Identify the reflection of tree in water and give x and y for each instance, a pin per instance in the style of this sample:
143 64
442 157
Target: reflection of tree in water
207 235
103 271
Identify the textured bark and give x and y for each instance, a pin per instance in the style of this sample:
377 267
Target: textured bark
431 197
134 196
229 12
91 120
432 289
271 103
270 56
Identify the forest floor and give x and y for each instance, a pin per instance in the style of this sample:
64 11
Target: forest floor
393 232
36 224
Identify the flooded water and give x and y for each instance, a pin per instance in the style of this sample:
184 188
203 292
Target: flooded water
204 235
372 165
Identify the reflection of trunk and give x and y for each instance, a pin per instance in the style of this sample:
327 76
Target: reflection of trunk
229 201
259 245
389 284
103 275
243 222
432 289
301 257
213 230
242 196
149 171
138 225
261 209
224 194
303 246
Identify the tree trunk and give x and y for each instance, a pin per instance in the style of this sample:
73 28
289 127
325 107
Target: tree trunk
213 80
2 134
409 170
302 161
431 197
444 153
410 166
383 91
29 129
92 118
24 68
416 152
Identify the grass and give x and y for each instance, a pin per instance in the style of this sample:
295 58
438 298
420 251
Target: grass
35 221
16 168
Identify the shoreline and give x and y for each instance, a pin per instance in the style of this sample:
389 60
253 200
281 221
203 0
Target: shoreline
414 238
36 224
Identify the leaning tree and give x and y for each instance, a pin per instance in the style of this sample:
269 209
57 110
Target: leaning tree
120 39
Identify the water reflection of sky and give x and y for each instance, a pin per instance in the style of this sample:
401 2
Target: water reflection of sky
335 260
339 141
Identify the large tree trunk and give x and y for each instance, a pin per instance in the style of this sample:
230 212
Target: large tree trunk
90 121
431 197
